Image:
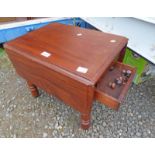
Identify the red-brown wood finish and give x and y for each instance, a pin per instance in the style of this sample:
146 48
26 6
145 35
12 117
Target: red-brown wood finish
113 97
70 47
33 89
122 54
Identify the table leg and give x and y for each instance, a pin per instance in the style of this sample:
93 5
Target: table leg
33 89
85 121
122 54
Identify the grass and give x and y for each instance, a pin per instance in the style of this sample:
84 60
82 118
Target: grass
1 52
4 61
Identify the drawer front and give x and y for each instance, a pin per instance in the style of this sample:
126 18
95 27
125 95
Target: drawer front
107 99
68 90
113 97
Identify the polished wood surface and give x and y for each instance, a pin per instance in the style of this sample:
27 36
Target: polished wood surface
33 89
71 47
65 49
65 88
113 97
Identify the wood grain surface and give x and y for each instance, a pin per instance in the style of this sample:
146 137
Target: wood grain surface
92 49
113 97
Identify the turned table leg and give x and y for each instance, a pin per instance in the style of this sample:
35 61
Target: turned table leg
33 89
85 121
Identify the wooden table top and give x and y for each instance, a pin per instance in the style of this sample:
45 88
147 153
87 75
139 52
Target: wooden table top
78 52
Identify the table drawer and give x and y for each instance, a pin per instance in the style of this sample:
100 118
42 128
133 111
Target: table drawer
113 97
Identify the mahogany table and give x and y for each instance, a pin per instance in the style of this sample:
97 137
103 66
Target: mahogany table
71 63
